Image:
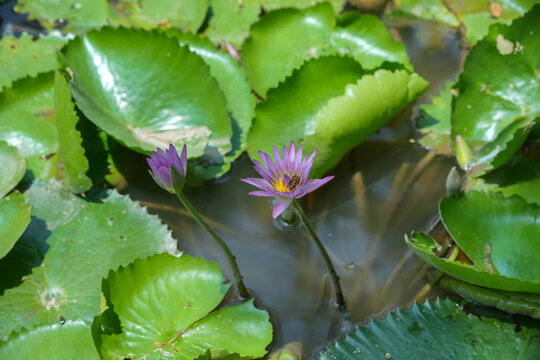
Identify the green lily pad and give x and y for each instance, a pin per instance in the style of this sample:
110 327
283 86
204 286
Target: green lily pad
114 70
437 330
269 5
23 56
71 340
15 212
500 235
431 10
311 32
434 122
231 21
111 228
69 138
519 176
12 167
495 109
148 14
82 15
425 247
27 116
334 118
163 305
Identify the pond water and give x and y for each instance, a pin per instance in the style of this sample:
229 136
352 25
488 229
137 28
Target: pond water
384 188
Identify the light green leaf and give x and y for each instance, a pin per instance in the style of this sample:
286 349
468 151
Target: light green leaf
431 10
69 138
26 116
500 235
23 56
113 70
162 304
82 15
435 122
425 247
312 32
12 167
496 109
334 118
437 330
231 20
15 211
69 341
111 228
269 5
148 14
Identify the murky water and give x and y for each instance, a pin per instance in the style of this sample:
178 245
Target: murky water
384 188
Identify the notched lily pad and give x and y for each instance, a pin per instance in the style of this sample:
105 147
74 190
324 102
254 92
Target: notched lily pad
334 118
310 33
112 228
437 330
134 85
12 167
67 341
163 305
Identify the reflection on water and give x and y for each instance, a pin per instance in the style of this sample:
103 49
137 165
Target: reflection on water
384 188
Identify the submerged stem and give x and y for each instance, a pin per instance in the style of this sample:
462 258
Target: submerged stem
333 275
230 257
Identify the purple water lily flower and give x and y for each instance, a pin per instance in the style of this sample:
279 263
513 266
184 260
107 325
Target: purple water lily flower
285 178
166 166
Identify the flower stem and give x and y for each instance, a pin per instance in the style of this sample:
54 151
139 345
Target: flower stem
230 257
333 275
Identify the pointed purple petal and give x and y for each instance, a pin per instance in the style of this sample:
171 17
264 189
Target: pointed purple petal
280 206
312 185
292 152
258 182
262 193
277 157
183 159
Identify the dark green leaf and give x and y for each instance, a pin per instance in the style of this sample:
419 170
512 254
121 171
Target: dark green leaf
437 330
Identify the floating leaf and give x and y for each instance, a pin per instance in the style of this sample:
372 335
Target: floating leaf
269 5
148 14
231 20
431 10
519 176
71 340
334 118
113 229
425 247
268 59
113 72
435 122
162 304
69 138
14 218
437 330
83 15
500 235
23 56
26 116
495 109
12 167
